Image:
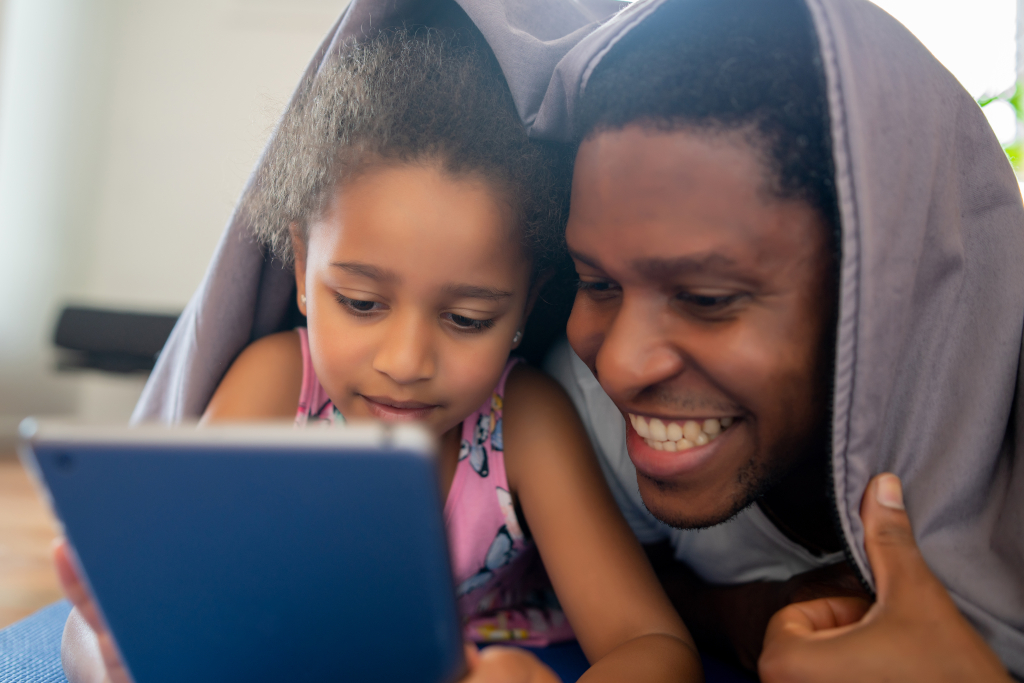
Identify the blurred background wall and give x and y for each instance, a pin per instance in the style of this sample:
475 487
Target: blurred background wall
128 128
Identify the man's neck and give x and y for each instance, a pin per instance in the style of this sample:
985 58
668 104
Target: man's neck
803 508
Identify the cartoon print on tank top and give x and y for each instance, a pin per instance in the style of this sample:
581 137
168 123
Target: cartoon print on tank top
488 426
503 591
502 549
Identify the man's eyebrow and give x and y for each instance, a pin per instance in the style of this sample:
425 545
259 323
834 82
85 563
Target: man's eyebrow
368 271
664 268
475 292
583 258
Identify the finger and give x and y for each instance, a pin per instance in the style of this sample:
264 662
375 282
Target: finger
472 654
117 672
65 571
801 639
889 540
821 616
511 665
73 586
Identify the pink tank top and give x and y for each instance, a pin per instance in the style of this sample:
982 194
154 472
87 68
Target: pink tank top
502 589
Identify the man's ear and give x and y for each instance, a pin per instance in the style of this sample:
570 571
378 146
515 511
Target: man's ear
299 253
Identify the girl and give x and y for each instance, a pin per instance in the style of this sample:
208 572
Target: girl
420 220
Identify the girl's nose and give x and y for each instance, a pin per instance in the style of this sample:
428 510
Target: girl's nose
406 353
637 351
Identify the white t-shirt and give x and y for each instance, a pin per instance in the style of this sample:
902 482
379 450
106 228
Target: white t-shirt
746 548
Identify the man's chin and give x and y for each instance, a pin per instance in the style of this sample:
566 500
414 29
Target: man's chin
683 512
700 506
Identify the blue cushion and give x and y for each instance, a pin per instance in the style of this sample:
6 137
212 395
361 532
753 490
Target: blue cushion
30 648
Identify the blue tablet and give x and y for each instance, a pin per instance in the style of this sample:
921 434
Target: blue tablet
259 553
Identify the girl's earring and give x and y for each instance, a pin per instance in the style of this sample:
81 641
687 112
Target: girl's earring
518 337
303 297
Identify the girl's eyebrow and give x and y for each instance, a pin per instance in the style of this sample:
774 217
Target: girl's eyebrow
475 292
462 291
368 271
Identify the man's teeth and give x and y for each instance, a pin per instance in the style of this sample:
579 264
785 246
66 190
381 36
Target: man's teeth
676 436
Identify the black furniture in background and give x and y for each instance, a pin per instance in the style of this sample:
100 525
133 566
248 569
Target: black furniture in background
109 340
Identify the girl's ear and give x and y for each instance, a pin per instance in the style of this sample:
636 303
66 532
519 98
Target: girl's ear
299 252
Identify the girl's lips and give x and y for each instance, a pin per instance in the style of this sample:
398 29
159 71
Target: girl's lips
384 408
661 465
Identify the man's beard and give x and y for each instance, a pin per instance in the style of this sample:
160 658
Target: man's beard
754 481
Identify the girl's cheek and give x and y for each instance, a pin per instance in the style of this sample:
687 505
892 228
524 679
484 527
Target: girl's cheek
474 375
337 353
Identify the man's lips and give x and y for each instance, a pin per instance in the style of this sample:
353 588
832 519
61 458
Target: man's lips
385 408
667 463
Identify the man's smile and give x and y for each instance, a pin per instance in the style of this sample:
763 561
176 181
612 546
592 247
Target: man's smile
665 449
678 435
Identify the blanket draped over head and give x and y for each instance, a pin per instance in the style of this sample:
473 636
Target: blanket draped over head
928 355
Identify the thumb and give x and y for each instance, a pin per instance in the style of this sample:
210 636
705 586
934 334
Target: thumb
889 541
472 653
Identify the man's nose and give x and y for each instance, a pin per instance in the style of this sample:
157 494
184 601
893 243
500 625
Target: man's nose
407 353
637 351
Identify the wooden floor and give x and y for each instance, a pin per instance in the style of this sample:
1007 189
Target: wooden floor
27 578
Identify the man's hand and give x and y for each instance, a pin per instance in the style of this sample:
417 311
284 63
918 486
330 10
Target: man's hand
88 651
497 664
913 632
730 621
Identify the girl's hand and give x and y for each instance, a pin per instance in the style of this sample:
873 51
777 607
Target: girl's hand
913 632
496 664
88 652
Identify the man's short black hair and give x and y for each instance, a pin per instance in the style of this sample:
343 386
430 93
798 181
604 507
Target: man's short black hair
722 65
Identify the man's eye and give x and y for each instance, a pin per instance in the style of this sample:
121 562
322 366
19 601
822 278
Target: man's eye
706 302
356 305
471 324
596 287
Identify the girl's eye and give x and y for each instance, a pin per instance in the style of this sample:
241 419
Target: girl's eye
357 305
469 324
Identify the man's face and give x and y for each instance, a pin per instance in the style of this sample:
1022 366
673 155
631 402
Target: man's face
705 305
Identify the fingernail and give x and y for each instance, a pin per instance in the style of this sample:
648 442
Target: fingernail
889 492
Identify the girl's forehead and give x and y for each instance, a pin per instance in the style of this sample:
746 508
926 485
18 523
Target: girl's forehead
420 220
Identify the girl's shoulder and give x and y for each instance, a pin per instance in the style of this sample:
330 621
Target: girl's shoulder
530 391
263 382
538 414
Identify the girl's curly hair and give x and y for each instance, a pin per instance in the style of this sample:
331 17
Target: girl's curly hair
407 97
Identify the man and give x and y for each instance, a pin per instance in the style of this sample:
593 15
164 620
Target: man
759 331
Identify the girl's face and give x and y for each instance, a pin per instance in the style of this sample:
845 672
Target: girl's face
414 287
